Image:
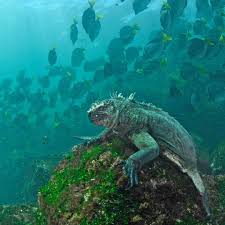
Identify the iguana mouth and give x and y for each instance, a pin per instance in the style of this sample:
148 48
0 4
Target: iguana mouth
98 118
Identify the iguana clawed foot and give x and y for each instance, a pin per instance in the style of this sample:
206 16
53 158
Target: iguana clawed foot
131 169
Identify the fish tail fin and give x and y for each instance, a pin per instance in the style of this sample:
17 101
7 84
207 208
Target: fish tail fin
91 3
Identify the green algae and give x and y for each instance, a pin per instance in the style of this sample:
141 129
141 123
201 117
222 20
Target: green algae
218 158
221 191
70 175
85 190
40 218
112 204
113 208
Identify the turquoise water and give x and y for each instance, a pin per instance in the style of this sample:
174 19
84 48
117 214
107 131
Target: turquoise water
44 106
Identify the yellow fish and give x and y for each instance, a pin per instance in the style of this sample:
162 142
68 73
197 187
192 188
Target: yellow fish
166 6
209 42
163 62
222 39
202 70
167 38
56 124
99 16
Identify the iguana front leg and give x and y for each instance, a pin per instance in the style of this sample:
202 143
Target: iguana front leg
148 150
89 141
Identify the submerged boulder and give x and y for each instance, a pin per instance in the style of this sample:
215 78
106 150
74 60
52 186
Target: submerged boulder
89 188
218 159
18 214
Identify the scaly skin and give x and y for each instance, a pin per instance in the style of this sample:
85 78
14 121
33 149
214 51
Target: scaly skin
153 131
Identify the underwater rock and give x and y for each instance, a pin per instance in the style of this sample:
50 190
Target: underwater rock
18 215
218 159
89 187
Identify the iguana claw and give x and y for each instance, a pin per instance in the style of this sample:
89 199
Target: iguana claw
130 170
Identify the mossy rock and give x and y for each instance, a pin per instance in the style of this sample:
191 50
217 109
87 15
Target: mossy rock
18 215
218 159
89 188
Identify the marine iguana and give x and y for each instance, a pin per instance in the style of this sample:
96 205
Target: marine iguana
153 131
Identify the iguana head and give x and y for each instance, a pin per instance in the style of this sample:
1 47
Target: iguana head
106 113
103 113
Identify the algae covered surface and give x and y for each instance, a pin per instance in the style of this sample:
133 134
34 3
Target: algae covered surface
84 190
218 159
89 188
18 215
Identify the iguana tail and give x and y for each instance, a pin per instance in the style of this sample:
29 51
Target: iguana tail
197 180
